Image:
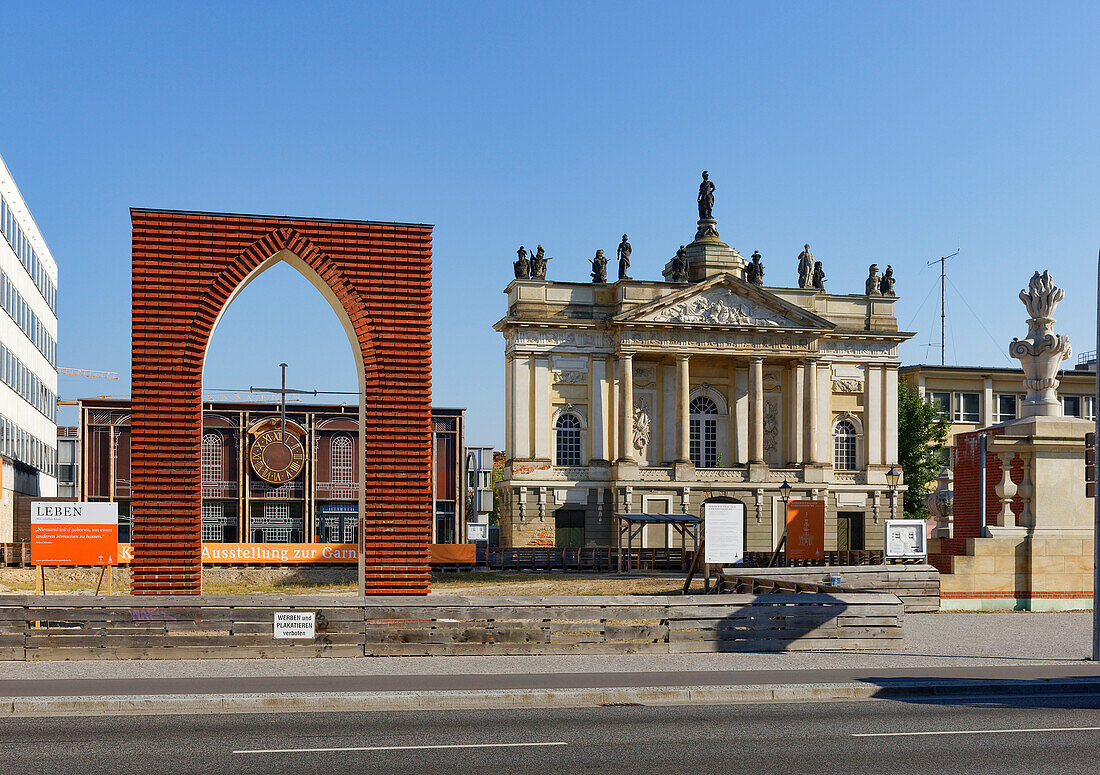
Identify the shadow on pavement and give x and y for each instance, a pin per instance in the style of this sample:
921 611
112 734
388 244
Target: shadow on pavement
1071 692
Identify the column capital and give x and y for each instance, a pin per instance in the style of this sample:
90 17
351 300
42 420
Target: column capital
756 359
683 357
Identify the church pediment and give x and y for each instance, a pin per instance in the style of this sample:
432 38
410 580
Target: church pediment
725 301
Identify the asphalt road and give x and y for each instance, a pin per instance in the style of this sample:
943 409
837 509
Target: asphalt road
1034 735
426 681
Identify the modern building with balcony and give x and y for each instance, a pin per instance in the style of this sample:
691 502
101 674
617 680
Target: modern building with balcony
28 359
655 396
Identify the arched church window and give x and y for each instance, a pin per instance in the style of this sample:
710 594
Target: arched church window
211 458
703 432
342 461
844 446
568 441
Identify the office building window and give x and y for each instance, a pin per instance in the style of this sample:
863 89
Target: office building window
968 407
1007 407
941 401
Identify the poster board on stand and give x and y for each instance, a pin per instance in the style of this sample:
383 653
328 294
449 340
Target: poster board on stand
806 530
723 533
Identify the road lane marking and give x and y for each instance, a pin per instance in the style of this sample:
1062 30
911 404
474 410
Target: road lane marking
973 732
401 747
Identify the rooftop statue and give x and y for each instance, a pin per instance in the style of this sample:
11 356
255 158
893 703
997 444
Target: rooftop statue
706 198
538 264
679 272
754 272
522 266
805 267
873 279
599 268
624 259
1042 352
886 284
818 281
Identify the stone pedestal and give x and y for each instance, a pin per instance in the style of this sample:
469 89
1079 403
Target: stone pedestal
707 255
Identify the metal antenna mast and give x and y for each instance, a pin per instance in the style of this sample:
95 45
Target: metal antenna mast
943 304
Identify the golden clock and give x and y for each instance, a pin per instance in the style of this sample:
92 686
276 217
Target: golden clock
277 457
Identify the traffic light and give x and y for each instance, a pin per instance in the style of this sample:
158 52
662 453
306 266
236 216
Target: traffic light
1090 465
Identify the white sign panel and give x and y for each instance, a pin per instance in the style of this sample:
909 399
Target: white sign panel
724 533
294 624
477 531
905 538
57 513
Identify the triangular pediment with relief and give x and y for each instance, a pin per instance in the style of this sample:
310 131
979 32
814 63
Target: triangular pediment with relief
725 301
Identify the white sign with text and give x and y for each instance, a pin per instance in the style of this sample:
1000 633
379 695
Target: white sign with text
294 624
723 533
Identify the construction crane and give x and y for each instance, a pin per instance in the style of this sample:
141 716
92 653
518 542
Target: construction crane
943 304
71 372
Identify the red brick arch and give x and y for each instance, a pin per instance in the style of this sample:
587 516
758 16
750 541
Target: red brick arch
187 268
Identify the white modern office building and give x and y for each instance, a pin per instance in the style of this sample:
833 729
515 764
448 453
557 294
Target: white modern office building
28 359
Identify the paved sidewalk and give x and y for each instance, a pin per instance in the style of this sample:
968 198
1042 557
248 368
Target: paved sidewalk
943 654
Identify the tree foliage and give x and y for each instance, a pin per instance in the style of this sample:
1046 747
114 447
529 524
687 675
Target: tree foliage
922 431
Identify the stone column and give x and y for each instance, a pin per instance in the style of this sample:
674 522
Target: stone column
873 398
798 426
598 423
626 408
756 410
683 420
810 448
542 408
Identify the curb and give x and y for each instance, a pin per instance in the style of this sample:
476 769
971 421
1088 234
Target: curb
164 704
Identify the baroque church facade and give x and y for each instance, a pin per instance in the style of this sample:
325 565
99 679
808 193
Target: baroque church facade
639 396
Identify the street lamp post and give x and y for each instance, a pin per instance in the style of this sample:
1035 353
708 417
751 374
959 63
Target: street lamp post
892 477
785 494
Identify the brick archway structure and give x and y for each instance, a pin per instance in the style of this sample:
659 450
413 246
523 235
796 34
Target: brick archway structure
187 268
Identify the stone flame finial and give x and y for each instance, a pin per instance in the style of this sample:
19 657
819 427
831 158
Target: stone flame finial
1043 351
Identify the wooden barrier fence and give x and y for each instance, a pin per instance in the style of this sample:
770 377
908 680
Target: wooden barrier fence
70 627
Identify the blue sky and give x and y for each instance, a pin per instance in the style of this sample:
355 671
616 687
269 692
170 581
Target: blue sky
889 133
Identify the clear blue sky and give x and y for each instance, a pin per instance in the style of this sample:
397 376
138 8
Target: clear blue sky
882 132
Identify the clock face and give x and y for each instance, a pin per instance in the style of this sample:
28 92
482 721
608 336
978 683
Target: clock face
275 459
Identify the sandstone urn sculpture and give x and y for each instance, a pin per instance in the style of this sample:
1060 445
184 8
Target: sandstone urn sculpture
1042 352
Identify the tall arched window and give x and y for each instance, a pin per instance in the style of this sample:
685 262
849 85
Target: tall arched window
343 471
568 442
703 432
211 458
844 446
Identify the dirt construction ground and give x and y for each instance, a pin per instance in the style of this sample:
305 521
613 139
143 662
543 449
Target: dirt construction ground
341 581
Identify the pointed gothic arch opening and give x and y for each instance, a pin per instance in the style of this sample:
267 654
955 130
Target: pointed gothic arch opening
187 269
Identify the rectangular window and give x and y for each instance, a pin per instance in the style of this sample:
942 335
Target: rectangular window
1088 407
941 401
968 407
1071 406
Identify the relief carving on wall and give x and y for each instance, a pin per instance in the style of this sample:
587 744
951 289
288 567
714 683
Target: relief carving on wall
645 374
569 377
720 306
642 424
847 385
771 430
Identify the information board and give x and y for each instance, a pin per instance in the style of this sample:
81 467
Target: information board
477 531
723 533
74 533
905 538
806 530
294 624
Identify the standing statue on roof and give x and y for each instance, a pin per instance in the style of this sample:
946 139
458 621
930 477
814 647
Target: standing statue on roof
872 285
805 268
679 268
754 272
818 281
624 259
599 267
706 199
522 266
886 284
538 264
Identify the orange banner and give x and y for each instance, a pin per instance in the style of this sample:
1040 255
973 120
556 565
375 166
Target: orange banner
279 554
806 530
